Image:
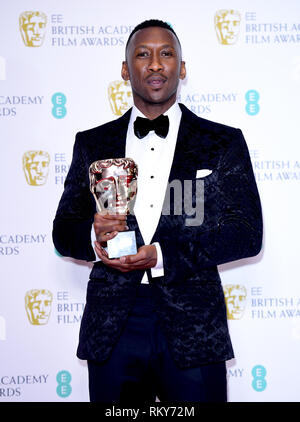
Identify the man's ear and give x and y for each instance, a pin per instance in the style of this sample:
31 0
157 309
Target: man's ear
182 74
125 72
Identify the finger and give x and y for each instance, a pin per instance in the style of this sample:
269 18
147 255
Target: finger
108 224
144 258
103 255
106 216
101 252
105 233
104 237
132 259
140 265
115 263
140 257
119 227
110 227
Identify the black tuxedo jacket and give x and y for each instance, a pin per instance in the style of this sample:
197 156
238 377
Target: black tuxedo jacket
189 298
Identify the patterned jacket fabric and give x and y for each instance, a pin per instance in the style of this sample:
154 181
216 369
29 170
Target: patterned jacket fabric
189 297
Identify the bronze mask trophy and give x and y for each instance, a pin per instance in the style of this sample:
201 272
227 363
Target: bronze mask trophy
113 183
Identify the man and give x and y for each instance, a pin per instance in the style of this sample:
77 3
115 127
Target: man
155 322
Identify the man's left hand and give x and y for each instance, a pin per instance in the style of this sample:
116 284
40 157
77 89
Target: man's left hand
145 258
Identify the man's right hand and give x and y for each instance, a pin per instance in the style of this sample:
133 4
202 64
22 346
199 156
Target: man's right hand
107 226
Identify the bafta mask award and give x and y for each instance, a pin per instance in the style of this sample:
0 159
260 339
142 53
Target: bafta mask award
113 183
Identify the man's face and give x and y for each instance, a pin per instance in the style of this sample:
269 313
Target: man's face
153 66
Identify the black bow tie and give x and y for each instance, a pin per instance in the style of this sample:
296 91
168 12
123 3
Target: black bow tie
160 125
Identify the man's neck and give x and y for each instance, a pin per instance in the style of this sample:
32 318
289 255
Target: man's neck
151 111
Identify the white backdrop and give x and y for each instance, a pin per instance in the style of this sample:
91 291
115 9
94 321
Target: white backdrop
57 85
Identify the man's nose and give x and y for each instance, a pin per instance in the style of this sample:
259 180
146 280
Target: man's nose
155 64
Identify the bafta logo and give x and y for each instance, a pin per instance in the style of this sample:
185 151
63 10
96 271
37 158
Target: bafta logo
120 97
36 166
38 306
227 26
235 298
33 28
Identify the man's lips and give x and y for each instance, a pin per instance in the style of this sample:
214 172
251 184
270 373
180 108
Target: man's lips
156 81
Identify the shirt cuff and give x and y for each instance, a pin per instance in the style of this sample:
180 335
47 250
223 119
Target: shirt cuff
158 270
93 239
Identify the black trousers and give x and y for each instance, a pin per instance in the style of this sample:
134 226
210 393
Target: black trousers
141 368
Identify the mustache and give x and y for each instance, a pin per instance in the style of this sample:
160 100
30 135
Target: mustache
156 77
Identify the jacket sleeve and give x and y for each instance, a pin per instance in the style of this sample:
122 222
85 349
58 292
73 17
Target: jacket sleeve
75 214
232 227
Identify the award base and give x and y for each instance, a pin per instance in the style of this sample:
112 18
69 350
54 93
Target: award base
123 244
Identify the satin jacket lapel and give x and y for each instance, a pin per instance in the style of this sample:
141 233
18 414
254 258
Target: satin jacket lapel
114 146
189 156
188 153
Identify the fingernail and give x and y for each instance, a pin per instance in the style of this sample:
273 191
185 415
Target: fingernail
126 228
123 259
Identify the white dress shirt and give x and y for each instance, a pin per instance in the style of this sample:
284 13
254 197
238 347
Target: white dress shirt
153 156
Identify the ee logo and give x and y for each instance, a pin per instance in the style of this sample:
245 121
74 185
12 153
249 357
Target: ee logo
64 388
59 110
259 373
252 106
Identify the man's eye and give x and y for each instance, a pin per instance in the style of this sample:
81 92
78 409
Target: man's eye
167 53
142 54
